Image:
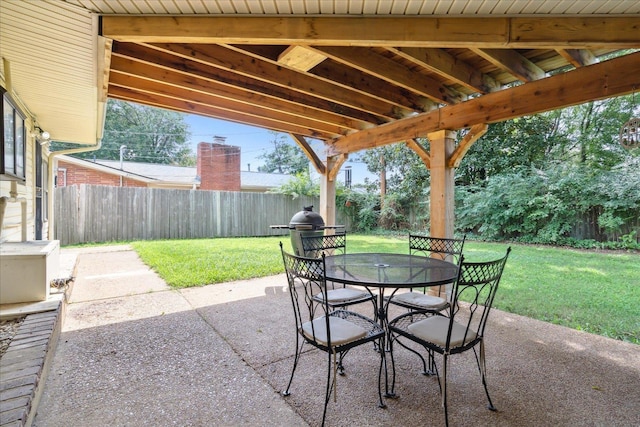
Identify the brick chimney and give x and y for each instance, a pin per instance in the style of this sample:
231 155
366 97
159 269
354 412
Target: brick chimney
218 166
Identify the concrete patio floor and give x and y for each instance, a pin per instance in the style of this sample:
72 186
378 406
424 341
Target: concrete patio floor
134 352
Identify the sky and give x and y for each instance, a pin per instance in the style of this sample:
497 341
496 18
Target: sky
253 143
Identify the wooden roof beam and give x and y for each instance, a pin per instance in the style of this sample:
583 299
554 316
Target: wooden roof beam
484 32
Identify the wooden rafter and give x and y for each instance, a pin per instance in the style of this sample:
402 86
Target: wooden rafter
615 77
446 65
367 61
578 57
199 58
342 77
512 62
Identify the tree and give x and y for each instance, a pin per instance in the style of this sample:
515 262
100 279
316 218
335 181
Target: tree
591 132
406 182
524 141
150 135
285 157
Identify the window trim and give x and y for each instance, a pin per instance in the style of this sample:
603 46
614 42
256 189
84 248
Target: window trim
18 170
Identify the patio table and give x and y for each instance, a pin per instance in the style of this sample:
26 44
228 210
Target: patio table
388 271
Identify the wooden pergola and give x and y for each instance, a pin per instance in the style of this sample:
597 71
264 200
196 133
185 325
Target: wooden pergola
362 74
362 82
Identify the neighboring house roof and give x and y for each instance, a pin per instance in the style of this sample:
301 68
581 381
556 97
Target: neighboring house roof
259 180
162 172
164 175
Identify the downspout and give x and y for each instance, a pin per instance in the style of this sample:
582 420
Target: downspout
13 198
102 112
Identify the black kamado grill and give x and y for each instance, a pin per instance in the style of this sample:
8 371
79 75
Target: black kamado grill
305 222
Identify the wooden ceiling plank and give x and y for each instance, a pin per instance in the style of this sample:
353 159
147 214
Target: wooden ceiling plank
236 62
441 62
423 31
250 109
370 62
300 58
197 84
615 77
513 63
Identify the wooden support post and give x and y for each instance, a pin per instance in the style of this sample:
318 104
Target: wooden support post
328 194
442 204
442 201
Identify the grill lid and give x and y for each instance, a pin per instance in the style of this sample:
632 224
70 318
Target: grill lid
306 219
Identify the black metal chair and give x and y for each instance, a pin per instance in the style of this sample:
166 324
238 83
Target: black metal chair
332 331
459 328
423 299
338 296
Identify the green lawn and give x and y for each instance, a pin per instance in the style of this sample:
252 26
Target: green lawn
594 292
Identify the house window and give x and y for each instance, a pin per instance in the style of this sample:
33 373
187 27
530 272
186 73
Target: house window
12 155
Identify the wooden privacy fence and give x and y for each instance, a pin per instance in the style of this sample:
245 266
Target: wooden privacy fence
89 213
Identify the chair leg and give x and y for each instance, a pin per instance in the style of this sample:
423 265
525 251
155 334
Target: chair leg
383 361
432 364
425 371
340 365
443 388
327 396
295 364
390 394
483 372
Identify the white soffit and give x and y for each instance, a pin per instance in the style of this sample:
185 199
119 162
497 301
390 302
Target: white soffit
51 51
361 7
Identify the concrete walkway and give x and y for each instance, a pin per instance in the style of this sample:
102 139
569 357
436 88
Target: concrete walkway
133 352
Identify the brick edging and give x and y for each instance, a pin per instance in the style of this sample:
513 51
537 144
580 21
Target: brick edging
25 365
